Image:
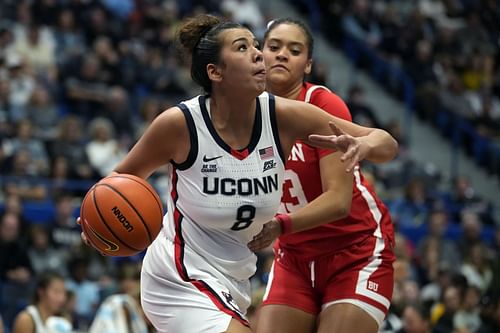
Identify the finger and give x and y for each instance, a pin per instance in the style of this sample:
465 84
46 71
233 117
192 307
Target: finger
78 220
349 154
352 163
84 238
335 129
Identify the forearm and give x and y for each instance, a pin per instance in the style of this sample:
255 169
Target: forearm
380 146
325 208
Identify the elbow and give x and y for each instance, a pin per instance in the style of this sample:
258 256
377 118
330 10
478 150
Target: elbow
394 149
342 210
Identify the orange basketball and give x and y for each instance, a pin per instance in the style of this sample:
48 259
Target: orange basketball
121 215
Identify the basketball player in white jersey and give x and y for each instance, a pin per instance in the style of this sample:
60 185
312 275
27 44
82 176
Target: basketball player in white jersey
43 315
226 152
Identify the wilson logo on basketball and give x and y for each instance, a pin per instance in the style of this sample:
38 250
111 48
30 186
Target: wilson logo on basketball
123 220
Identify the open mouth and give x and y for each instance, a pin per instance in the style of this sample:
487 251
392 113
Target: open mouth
260 72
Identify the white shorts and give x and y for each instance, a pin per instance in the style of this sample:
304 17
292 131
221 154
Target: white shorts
182 293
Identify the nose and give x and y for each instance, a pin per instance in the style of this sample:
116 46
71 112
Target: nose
258 55
282 54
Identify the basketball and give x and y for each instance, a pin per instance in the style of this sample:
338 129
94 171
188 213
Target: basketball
121 215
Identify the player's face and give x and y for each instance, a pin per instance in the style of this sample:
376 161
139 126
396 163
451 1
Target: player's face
54 295
286 55
242 62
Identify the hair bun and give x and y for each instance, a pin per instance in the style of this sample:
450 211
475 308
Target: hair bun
191 32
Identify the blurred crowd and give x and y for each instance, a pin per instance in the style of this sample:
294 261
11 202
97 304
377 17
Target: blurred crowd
81 79
447 278
448 48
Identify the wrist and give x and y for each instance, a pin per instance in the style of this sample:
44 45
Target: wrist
285 223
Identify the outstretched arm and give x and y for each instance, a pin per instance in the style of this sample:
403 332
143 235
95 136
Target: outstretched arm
298 120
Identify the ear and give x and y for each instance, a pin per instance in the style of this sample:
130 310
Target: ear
214 73
308 68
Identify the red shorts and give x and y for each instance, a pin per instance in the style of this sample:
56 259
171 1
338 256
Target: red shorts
361 274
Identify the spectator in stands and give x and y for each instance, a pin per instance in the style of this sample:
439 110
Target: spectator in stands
490 314
468 319
103 150
70 144
21 85
69 40
108 58
463 198
416 319
149 110
12 204
119 111
359 22
44 315
25 140
64 232
160 75
432 291
86 291
471 232
476 267
445 250
41 253
420 68
445 313
361 111
85 86
37 50
121 312
41 111
15 265
246 12
23 180
413 208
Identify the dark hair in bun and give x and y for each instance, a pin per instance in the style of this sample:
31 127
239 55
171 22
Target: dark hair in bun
199 36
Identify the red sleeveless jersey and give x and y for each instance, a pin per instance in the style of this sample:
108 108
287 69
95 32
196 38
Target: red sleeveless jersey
368 215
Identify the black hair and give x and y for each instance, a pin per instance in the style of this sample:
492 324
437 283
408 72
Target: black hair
288 20
200 37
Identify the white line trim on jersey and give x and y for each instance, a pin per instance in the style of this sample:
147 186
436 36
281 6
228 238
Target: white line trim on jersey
367 271
309 92
370 201
313 276
269 282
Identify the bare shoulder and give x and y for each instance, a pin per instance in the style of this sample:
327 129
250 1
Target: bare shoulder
171 118
23 323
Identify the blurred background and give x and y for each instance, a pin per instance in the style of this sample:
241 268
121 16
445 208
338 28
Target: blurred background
81 79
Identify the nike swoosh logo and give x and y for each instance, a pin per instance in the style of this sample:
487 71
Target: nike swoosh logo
112 247
208 159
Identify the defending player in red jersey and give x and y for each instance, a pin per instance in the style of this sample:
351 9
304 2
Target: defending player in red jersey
328 275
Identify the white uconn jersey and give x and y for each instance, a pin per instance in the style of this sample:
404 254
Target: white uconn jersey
220 198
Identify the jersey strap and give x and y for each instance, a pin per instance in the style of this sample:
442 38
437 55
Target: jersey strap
310 91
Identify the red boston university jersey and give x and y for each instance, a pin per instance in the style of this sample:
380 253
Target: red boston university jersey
368 216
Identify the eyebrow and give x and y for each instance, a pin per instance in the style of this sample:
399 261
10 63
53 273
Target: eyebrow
281 41
244 39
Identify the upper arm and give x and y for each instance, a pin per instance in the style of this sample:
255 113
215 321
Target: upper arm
297 120
166 139
23 323
334 105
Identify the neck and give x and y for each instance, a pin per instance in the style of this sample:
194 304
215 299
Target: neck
44 312
231 111
286 91
233 118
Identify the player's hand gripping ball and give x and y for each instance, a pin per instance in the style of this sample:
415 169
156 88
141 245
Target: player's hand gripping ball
121 215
